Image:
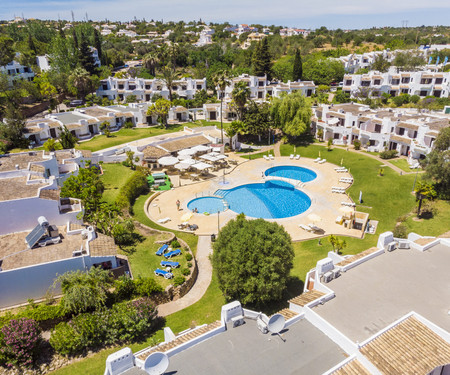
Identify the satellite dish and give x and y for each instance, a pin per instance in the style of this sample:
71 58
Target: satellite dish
156 363
276 323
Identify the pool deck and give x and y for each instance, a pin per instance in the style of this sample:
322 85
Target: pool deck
323 203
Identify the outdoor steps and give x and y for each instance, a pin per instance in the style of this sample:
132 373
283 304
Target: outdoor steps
307 297
410 347
357 256
287 313
179 340
352 368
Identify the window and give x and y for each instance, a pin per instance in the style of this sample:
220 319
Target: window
105 86
132 87
395 81
261 83
348 82
183 87
423 93
120 87
199 87
405 80
438 81
174 87
336 136
148 87
378 128
159 88
365 83
377 82
401 131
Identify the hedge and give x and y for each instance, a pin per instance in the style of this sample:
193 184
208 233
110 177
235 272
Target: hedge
135 186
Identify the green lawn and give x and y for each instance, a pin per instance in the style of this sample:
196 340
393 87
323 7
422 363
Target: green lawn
431 227
402 164
114 177
258 155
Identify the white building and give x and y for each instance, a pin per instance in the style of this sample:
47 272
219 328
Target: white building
422 83
261 88
127 33
15 70
290 31
411 133
144 89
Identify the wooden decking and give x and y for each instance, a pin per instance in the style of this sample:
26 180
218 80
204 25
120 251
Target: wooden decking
287 313
409 348
357 256
181 339
306 297
352 368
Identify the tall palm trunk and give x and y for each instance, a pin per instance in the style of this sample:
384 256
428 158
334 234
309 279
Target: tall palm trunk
221 114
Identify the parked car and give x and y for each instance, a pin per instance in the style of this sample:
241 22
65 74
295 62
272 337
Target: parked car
75 103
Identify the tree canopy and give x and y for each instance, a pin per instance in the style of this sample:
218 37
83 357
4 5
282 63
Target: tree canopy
291 113
161 109
262 60
253 259
322 71
297 69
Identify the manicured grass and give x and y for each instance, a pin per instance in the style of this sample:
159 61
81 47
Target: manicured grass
114 177
431 227
258 155
402 164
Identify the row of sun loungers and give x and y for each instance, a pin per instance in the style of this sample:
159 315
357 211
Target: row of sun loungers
165 274
171 253
338 189
350 204
310 228
319 160
347 180
270 157
167 263
341 170
296 157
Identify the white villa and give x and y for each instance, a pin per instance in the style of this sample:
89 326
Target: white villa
15 70
144 89
422 83
411 133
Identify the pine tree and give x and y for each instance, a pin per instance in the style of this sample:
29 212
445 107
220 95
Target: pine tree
85 57
98 44
31 44
261 60
297 71
75 38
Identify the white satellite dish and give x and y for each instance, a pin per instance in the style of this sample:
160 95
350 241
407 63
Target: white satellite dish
156 363
276 323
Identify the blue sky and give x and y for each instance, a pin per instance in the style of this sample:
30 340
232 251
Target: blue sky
302 13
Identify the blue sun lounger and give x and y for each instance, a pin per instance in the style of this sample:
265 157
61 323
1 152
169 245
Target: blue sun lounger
165 274
172 253
162 249
166 263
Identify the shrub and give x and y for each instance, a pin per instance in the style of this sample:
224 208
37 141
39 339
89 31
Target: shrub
179 280
125 288
146 286
19 341
124 322
400 231
175 244
357 144
186 271
189 264
128 125
415 99
135 186
188 257
388 154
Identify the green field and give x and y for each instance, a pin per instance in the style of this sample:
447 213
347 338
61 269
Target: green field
402 164
114 177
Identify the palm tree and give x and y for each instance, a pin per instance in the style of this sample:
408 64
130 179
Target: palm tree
150 61
221 81
241 93
80 80
170 75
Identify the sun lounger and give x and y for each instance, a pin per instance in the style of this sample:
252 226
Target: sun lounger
305 227
165 274
322 161
162 249
297 157
314 228
172 253
342 170
292 156
167 263
266 157
163 221
339 220
271 157
317 160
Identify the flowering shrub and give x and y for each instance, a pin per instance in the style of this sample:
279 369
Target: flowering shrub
19 341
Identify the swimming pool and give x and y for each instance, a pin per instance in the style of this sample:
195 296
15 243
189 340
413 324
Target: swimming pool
293 172
269 200
207 204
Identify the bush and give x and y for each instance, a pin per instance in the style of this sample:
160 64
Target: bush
188 257
19 342
175 244
125 288
401 99
189 264
400 231
128 125
146 286
388 154
357 144
415 99
186 271
135 186
124 322
179 280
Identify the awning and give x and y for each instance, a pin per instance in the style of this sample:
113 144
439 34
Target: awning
333 121
168 160
201 166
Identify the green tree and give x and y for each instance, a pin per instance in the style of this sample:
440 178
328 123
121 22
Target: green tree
170 75
12 130
381 64
66 138
85 58
252 259
437 163
84 291
161 109
63 55
337 243
322 71
297 69
221 80
262 60
104 127
86 186
240 95
291 113
282 69
52 145
81 83
7 51
408 60
341 97
258 119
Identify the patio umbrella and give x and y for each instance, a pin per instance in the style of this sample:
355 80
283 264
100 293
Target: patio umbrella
182 166
314 218
201 166
209 157
346 210
186 216
187 151
221 156
189 161
200 148
168 160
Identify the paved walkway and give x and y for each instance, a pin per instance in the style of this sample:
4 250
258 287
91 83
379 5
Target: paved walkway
204 277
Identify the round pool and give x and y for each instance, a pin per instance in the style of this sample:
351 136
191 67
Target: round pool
293 172
210 205
269 200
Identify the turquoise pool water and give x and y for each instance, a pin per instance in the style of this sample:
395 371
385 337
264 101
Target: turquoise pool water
269 200
207 204
293 172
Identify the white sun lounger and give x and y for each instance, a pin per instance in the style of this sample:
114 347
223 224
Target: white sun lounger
266 157
314 228
305 227
342 170
271 157
164 220
297 157
317 160
322 161
292 156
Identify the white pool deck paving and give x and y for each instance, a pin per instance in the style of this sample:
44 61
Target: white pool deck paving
324 203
